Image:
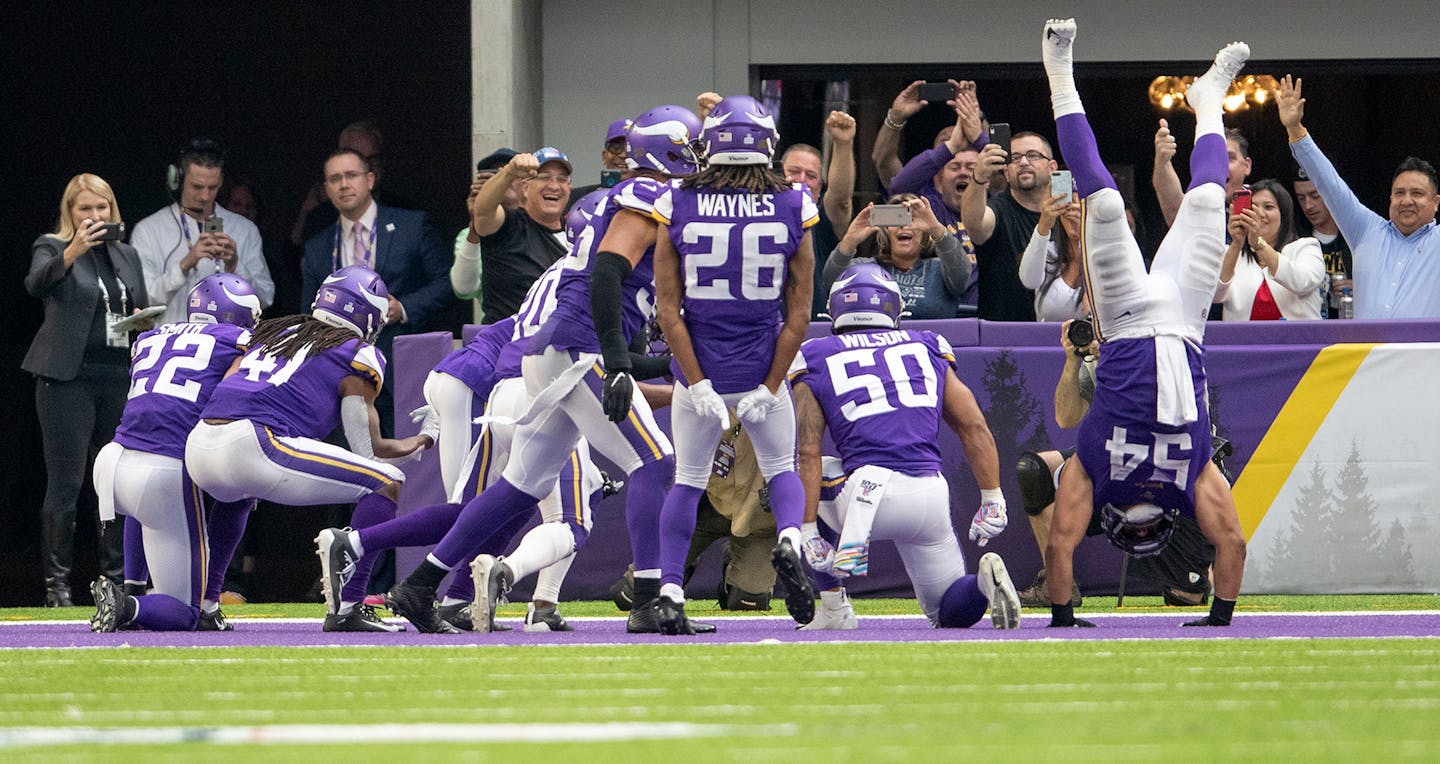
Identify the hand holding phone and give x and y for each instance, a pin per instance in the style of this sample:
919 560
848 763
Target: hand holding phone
1061 184
890 215
109 232
1000 136
1241 201
936 92
609 178
214 224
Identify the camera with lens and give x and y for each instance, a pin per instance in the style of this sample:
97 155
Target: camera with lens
1080 333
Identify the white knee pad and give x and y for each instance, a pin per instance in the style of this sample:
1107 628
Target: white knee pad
1105 206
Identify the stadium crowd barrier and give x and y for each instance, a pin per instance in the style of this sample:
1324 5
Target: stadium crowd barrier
1333 425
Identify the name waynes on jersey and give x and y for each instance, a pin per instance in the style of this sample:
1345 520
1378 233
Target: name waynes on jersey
875 339
735 205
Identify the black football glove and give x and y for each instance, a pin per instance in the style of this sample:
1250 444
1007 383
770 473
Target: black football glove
615 400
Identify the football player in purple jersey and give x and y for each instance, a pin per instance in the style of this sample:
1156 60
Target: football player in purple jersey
882 391
733 251
484 376
581 375
259 436
1143 453
174 369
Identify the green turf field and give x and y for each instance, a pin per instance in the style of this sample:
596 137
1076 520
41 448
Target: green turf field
1180 700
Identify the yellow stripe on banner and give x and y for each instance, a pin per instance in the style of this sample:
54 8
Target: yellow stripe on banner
1294 427
579 489
326 460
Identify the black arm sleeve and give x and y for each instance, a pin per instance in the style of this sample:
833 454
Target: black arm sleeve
649 366
606 276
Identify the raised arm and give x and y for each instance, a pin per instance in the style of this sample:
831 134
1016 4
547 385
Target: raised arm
975 211
839 197
1163 176
886 152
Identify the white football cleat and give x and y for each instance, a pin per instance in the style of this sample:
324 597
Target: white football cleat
834 614
996 585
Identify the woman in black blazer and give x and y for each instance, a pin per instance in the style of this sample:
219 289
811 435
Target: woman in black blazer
87 280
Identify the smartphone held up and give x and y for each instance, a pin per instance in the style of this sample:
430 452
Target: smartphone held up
891 216
1061 184
1241 201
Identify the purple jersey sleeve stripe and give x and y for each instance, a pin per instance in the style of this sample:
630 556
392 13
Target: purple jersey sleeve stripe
318 459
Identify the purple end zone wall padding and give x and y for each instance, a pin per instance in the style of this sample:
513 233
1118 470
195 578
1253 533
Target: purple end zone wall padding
1011 368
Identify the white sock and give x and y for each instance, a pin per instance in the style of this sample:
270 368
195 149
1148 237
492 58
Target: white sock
832 599
1055 50
673 592
433 560
548 581
354 537
346 607
793 534
545 544
1207 94
647 573
448 601
209 606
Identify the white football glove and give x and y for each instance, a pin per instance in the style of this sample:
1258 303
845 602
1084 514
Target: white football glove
708 403
989 521
818 552
429 422
756 405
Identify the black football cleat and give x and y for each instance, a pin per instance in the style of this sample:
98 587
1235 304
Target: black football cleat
671 617
546 618
417 605
213 620
799 596
107 606
361 618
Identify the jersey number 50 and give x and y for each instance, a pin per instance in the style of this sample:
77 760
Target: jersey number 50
915 389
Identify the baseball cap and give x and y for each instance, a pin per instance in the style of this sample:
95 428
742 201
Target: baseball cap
495 159
617 130
552 154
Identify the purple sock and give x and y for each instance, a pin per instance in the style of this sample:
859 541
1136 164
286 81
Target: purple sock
422 527
135 567
962 605
677 526
161 612
1209 161
226 526
645 495
787 500
495 507
496 542
1082 156
369 511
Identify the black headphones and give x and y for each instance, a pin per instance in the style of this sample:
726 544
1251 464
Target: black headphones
200 150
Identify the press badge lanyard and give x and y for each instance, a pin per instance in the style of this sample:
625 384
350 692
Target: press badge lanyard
113 338
335 252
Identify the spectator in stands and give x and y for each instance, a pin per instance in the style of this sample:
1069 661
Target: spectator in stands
465 271
612 159
927 262
1397 261
179 244
942 174
87 279
886 152
1269 273
1167 182
1338 265
517 245
401 245
1001 226
802 163
1051 262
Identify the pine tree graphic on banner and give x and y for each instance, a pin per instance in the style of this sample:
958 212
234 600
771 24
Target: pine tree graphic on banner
1355 548
1012 410
1395 554
1300 557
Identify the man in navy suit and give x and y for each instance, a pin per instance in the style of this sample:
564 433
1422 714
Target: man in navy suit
401 245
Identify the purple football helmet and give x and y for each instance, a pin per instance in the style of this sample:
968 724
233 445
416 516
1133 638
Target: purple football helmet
581 212
1140 530
224 298
353 298
864 297
665 138
739 130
